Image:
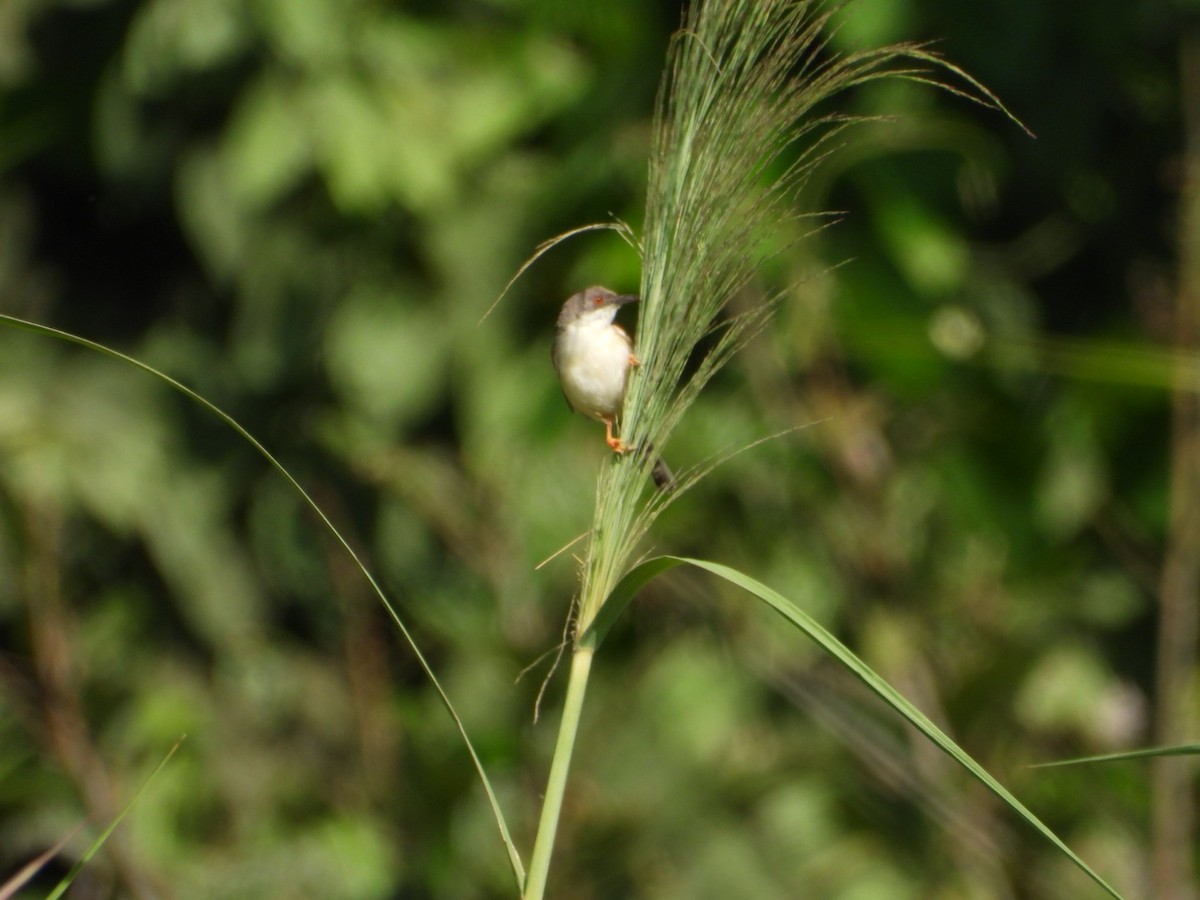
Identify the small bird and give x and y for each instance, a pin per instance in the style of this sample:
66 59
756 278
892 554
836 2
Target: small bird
592 355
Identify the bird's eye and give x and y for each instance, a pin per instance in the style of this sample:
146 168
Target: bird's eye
598 301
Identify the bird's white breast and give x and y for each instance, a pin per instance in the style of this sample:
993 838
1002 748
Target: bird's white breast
593 365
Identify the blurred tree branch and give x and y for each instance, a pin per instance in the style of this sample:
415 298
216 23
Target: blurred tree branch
1174 813
65 723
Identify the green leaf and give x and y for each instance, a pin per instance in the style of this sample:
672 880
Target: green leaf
641 574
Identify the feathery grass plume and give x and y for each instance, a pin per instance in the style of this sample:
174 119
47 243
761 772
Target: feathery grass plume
744 85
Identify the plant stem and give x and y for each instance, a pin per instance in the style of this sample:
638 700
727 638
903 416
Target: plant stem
543 846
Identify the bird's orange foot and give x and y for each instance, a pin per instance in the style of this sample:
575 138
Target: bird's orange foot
634 361
618 445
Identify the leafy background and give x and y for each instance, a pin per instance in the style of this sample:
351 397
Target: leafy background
302 210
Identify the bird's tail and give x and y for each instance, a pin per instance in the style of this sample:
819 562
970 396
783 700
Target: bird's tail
664 478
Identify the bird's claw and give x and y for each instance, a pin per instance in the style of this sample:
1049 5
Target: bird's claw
617 445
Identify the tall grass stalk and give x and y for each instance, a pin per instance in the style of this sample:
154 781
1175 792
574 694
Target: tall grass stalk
741 121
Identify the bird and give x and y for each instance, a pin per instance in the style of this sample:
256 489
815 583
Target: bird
593 356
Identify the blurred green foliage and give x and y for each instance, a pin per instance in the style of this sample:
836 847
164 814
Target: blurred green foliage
302 210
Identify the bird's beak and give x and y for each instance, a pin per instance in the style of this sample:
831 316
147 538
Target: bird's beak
622 299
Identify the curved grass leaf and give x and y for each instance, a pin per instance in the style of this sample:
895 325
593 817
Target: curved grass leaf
513 856
1149 753
641 574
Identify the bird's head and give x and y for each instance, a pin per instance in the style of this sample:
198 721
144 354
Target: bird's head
594 305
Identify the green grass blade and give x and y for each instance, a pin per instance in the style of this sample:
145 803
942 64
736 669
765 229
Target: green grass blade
624 592
556 786
1149 753
639 575
513 856
91 851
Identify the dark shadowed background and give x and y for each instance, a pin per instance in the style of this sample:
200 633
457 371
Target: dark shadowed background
302 209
